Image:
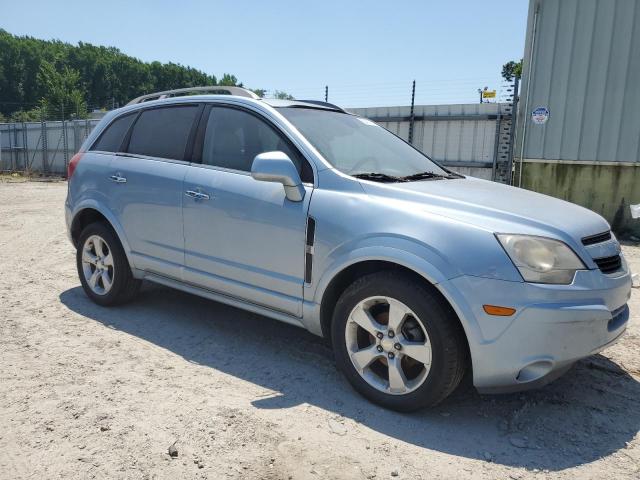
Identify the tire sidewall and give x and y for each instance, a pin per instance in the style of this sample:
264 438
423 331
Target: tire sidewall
120 263
431 313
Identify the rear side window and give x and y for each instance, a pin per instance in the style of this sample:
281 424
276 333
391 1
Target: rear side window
233 138
163 132
111 138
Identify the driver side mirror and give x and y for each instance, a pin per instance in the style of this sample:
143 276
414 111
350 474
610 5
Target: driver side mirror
277 167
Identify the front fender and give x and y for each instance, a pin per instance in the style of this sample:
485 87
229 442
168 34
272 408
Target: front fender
412 255
398 249
380 253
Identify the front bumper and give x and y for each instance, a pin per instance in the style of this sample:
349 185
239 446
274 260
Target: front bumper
554 325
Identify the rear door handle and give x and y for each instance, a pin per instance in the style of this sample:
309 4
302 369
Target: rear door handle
118 178
196 195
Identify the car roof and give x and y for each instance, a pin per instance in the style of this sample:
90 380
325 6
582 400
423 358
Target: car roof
213 92
272 102
276 103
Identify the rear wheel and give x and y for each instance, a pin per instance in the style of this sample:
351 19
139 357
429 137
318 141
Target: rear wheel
103 268
398 343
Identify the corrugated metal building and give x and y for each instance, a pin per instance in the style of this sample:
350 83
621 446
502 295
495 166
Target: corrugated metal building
581 76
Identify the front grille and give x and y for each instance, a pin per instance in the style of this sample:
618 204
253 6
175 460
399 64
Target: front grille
609 264
597 238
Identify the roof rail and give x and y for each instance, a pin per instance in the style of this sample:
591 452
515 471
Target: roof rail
322 104
213 89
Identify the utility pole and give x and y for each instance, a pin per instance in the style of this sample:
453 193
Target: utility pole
512 132
413 98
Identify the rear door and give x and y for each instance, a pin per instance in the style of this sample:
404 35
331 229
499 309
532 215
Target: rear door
146 185
243 237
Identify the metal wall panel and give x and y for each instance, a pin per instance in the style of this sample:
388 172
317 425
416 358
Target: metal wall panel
585 69
469 142
462 137
23 149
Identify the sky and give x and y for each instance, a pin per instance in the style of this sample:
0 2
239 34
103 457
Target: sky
366 52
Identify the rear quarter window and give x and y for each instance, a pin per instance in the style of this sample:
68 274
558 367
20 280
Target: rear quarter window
111 139
163 132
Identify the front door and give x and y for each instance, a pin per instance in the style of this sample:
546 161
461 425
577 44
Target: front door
243 237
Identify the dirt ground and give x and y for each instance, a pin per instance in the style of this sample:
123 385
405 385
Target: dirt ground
91 392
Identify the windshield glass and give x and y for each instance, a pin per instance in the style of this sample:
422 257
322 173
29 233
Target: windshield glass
357 146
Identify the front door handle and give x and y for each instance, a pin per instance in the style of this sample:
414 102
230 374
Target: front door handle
118 178
196 195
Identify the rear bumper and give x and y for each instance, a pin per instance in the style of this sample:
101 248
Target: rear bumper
554 326
68 220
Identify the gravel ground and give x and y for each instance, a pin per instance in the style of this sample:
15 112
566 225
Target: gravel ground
90 392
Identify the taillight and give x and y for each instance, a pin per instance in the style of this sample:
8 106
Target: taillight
73 164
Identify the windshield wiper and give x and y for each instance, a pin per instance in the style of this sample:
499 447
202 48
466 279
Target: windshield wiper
428 175
379 177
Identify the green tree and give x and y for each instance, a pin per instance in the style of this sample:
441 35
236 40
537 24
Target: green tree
33 115
83 77
229 80
511 70
62 93
77 105
279 94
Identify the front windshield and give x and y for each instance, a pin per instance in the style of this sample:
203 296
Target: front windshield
357 146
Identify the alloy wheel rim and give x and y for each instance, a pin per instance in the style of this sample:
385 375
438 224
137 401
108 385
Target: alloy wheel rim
97 265
388 345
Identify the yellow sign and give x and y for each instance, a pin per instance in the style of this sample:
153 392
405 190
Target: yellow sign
488 94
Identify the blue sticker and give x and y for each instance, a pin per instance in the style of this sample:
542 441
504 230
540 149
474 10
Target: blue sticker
540 115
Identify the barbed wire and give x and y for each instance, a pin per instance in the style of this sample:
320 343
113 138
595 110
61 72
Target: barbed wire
349 95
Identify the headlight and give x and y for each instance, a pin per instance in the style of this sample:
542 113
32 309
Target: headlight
541 260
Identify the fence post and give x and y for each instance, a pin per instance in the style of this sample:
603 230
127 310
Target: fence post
14 152
495 146
413 97
15 146
25 147
65 145
43 133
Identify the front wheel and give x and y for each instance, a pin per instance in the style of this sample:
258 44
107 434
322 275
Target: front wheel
103 268
397 342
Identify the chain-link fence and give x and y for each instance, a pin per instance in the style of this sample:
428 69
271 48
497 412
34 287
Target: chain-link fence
43 148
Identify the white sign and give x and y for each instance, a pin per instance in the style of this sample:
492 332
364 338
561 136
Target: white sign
540 115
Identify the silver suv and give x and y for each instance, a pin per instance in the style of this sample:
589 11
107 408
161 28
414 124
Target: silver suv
302 212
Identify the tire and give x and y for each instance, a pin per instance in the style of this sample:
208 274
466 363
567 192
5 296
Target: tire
427 320
122 287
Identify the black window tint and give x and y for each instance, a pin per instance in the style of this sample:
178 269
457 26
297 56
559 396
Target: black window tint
233 138
163 132
111 139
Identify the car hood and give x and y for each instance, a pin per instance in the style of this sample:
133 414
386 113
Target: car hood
494 206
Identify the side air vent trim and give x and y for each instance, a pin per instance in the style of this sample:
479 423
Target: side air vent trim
308 251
